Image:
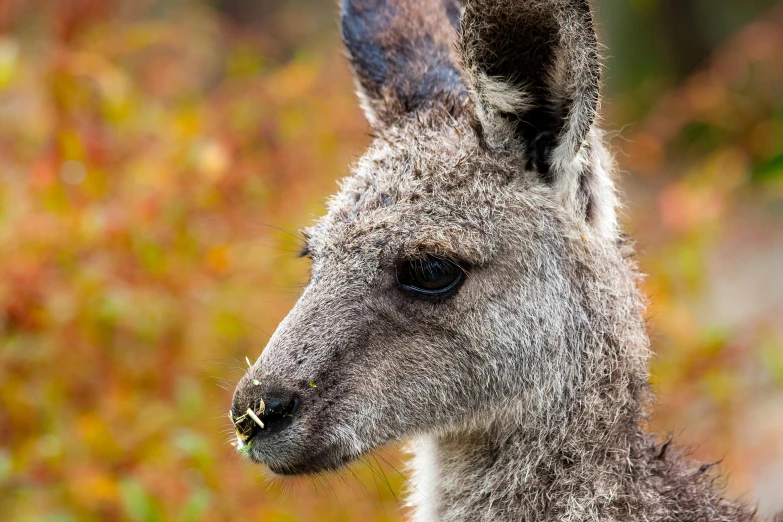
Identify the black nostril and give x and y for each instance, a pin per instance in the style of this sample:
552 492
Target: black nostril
264 417
279 414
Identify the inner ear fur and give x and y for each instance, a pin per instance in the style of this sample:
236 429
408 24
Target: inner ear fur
535 72
403 54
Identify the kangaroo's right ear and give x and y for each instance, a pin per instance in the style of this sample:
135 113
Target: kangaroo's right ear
535 71
404 58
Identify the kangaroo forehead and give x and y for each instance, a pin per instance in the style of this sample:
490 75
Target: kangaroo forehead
421 198
402 221
429 171
381 238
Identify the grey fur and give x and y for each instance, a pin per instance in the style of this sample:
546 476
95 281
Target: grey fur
525 394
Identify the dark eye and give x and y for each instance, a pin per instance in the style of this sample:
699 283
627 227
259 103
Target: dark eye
430 277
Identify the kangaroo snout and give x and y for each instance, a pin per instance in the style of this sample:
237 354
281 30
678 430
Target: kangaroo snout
261 410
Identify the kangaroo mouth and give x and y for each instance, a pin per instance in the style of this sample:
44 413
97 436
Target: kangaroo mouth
324 461
298 452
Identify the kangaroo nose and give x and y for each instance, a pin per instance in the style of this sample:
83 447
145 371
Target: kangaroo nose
264 413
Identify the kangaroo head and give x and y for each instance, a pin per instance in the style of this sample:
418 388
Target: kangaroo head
459 266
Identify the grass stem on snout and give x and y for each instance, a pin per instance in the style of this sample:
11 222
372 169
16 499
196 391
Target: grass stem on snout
242 431
252 415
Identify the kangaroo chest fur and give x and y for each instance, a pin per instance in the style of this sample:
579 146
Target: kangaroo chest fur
496 476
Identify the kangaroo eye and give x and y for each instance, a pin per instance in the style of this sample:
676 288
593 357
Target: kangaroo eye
430 277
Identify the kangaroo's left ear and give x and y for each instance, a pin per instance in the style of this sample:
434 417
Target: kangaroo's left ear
403 54
535 72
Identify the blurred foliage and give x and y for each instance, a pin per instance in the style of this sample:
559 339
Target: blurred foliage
706 196
152 156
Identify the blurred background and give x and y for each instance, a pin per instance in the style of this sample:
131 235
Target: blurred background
157 158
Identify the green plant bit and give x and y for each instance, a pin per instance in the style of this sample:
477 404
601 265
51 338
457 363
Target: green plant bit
244 450
312 383
256 382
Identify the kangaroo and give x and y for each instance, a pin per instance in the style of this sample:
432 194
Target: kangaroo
470 290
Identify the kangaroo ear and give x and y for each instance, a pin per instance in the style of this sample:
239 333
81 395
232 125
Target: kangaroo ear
535 72
403 53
